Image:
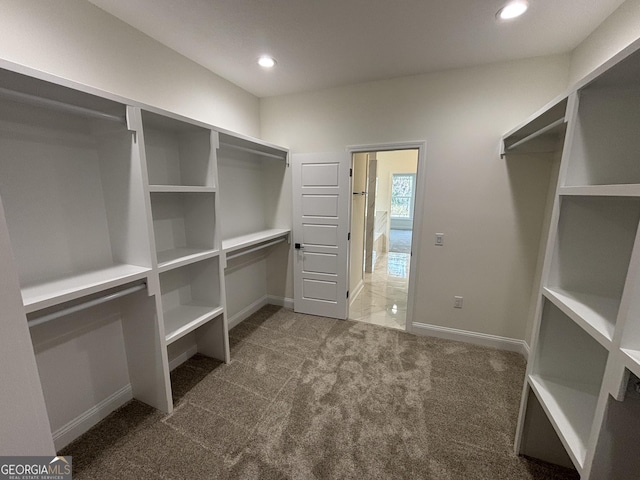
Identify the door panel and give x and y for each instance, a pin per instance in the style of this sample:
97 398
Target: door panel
319 205
320 228
320 290
320 234
320 263
320 175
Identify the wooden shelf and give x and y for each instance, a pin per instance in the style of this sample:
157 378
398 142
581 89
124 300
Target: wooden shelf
184 319
593 313
570 408
179 257
180 189
245 241
53 292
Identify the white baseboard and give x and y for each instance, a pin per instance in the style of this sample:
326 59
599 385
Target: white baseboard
183 357
247 311
82 423
280 301
526 350
356 291
493 341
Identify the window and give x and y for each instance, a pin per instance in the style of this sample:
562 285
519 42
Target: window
402 192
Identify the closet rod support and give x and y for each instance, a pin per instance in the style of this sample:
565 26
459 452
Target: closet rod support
83 306
255 249
65 107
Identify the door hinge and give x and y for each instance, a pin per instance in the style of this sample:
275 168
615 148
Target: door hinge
351 172
348 236
347 293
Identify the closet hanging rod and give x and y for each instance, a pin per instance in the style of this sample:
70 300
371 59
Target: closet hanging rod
255 249
253 150
537 133
65 107
85 305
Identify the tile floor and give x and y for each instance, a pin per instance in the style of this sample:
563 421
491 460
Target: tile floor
383 300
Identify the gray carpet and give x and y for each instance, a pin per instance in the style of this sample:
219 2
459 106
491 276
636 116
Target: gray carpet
315 398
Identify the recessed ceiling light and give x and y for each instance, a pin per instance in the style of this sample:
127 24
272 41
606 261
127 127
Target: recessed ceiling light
512 10
267 61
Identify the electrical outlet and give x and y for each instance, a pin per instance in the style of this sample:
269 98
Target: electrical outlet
457 302
439 239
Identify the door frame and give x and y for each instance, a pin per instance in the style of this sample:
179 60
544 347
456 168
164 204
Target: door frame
418 212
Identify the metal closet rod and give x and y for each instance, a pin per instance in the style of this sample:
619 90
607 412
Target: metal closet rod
83 306
65 107
255 249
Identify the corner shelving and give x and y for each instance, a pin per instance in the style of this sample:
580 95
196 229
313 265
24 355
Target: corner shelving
587 315
606 140
566 377
595 238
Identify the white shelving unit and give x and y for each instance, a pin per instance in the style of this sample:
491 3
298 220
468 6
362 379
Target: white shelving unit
72 188
183 195
184 227
587 331
256 232
566 377
113 214
190 297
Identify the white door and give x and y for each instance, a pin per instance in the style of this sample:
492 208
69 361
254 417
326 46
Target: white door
321 187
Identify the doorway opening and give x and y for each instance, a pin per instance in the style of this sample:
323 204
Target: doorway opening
383 230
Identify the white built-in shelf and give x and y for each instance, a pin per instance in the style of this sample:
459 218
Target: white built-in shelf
594 313
252 146
622 190
249 240
606 140
542 133
570 408
632 360
191 297
180 189
177 152
64 289
184 319
179 257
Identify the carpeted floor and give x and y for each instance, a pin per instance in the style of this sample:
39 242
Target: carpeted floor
314 398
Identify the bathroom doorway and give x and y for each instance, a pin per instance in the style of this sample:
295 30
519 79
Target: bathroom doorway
383 219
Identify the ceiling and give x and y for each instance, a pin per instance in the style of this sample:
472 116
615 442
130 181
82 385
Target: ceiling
326 43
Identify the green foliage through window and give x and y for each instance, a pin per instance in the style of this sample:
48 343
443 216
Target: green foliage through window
402 186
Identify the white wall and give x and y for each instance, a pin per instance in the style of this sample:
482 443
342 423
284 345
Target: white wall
614 34
75 40
490 210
